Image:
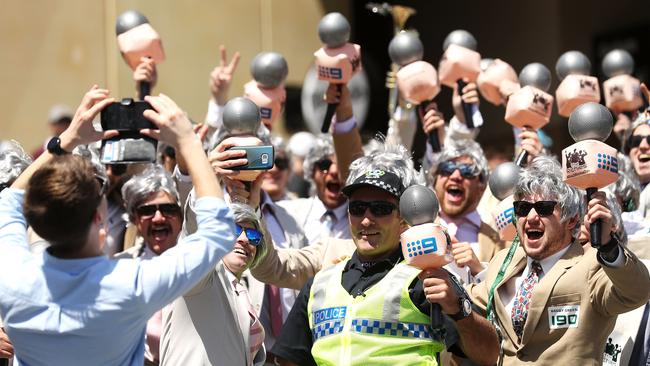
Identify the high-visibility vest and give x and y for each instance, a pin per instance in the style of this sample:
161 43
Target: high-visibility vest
380 327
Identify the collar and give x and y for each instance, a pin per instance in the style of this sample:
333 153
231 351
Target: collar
267 202
473 218
340 213
232 280
72 266
548 262
356 263
147 253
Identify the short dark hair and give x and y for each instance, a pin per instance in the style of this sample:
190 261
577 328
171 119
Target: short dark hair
61 200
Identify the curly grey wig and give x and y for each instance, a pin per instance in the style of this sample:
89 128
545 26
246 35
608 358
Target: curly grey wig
140 187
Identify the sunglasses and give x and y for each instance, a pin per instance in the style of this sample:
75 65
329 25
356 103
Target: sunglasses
636 140
117 169
166 209
543 208
323 164
377 208
281 163
467 171
254 236
103 184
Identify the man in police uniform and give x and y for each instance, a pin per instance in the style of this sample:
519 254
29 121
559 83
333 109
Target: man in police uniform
372 308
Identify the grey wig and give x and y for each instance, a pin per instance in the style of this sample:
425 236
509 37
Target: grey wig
323 147
13 161
543 179
390 157
140 187
244 213
454 149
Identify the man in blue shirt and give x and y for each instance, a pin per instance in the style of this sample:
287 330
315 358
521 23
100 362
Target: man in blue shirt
71 305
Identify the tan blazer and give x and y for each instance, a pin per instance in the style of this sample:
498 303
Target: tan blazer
291 268
489 242
203 327
576 281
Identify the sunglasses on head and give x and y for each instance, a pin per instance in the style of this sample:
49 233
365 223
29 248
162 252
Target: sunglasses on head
377 208
467 171
281 163
636 140
254 236
323 164
166 209
543 208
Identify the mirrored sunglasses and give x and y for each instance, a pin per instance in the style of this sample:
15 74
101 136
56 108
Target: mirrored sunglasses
254 236
467 171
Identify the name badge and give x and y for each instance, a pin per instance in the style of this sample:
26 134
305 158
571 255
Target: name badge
567 316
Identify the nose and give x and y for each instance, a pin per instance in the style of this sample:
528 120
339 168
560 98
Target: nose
644 143
456 175
158 216
532 215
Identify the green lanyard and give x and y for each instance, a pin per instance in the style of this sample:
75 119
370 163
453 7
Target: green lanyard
497 280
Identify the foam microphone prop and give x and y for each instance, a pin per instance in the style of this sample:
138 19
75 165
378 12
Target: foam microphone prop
269 70
424 244
337 61
417 80
241 118
459 61
622 91
496 77
136 39
576 86
590 164
502 183
531 105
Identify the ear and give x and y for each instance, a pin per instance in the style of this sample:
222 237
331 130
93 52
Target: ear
403 226
572 222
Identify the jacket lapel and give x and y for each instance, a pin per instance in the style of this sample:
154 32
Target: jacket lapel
488 242
518 264
544 288
242 318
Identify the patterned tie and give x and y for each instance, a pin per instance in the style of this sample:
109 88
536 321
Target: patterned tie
256 334
522 298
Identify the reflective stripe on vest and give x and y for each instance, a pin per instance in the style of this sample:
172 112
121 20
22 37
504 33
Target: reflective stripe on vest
381 327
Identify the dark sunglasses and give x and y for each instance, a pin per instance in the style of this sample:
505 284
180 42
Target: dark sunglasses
117 169
377 208
103 184
543 208
281 163
254 236
323 164
166 209
467 171
636 140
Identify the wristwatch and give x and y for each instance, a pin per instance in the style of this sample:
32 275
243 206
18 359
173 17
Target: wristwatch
54 146
464 302
465 309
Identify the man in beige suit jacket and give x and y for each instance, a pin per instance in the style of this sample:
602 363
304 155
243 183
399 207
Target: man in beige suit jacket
575 295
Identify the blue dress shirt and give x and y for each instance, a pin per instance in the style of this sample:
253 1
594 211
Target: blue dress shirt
93 311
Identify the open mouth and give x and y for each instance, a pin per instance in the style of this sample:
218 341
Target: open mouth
455 193
333 188
239 249
160 233
644 158
534 234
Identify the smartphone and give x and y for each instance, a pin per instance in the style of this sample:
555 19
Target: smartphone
259 157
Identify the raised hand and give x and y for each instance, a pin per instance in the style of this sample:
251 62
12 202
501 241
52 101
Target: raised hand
221 76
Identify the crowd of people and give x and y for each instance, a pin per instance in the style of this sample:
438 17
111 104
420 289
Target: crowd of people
179 262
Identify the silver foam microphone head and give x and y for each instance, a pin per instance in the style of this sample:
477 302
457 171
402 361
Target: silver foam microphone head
572 62
618 62
334 30
405 48
129 20
241 116
461 38
269 69
535 75
590 121
503 179
418 205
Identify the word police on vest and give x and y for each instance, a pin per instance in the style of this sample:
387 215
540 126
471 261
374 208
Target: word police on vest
129 146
